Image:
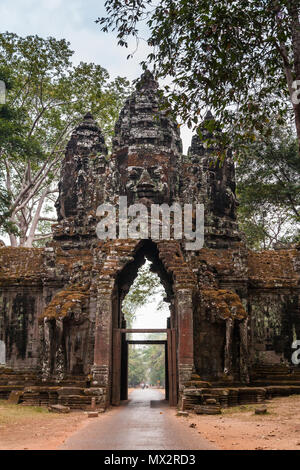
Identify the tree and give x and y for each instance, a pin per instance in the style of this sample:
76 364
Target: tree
5 200
137 369
46 99
154 358
268 185
147 363
239 57
10 137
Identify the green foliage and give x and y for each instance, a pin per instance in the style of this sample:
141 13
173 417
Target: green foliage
238 58
137 369
268 186
146 364
47 97
5 200
47 87
154 357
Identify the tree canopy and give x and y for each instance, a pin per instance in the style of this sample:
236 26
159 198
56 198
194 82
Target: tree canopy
240 58
268 185
147 364
137 369
47 97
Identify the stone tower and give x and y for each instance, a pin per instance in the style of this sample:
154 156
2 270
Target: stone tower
146 147
210 179
82 182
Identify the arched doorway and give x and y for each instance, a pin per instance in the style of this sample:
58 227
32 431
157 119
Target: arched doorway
145 307
124 335
123 262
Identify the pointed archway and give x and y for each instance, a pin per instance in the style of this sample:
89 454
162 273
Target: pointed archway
118 272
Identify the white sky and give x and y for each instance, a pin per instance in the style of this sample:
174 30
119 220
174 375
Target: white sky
149 317
75 21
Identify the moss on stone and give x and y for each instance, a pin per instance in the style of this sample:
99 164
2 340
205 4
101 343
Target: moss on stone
225 303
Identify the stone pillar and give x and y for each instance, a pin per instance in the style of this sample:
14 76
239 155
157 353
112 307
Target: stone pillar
101 369
185 352
244 352
46 349
59 359
228 347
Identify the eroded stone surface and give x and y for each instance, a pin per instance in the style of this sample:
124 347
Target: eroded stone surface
235 312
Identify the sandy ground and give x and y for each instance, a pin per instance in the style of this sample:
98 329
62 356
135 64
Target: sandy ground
33 428
239 428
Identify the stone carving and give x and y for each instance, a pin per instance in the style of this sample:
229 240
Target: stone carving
146 147
60 305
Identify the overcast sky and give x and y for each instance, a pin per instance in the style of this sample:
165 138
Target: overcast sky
149 316
75 21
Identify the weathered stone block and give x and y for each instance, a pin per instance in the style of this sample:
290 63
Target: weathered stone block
15 397
92 414
261 410
59 409
69 391
93 391
207 409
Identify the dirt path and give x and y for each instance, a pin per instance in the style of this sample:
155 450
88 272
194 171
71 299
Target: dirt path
138 425
239 428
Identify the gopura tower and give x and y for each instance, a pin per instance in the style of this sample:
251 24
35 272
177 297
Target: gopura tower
233 312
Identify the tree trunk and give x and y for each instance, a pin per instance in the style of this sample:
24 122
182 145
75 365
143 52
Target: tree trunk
35 221
13 240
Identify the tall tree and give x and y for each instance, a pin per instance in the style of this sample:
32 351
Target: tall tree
154 358
47 98
268 185
239 57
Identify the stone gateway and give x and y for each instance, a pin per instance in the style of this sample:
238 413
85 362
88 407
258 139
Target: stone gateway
234 313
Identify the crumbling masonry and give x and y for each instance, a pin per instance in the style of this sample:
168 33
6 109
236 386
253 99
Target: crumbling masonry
235 312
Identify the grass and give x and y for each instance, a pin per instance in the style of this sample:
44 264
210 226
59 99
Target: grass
30 427
245 409
237 409
17 414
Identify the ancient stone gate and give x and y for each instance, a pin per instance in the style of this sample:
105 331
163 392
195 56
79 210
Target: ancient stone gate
234 312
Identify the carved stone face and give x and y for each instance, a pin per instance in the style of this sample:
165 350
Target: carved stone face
148 177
